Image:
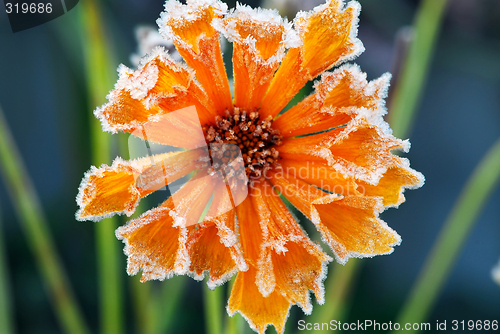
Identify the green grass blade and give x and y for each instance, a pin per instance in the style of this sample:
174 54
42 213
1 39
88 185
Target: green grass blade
170 298
213 305
99 71
6 316
30 213
337 291
414 74
443 256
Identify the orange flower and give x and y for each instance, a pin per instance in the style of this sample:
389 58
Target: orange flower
330 155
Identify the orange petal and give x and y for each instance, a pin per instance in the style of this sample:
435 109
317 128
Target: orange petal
300 193
250 231
258 310
156 241
259 40
207 252
392 185
352 228
158 87
117 189
156 244
213 244
191 200
328 37
190 28
290 261
180 128
318 174
361 150
339 97
349 225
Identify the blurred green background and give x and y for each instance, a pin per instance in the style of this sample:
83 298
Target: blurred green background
44 96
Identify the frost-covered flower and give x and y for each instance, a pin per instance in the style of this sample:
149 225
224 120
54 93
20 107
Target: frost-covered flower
329 155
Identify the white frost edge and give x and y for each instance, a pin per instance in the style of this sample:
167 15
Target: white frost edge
252 324
174 10
330 242
265 279
358 45
97 171
369 88
154 271
226 26
230 240
124 82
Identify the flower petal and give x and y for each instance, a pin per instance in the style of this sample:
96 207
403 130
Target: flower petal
318 174
213 245
392 185
258 310
117 189
349 225
207 252
259 38
155 244
361 150
289 259
250 233
159 86
156 241
339 97
190 28
328 37
352 228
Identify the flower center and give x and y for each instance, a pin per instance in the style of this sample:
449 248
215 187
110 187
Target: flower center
249 134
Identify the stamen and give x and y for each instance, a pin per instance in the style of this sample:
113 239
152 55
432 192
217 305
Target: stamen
255 138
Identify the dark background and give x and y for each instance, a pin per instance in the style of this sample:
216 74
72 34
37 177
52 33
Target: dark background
42 93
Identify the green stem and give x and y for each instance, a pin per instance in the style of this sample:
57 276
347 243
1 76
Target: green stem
443 256
213 305
144 304
171 294
6 324
236 323
338 289
32 217
414 74
99 76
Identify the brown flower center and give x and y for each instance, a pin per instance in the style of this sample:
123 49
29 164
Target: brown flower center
249 134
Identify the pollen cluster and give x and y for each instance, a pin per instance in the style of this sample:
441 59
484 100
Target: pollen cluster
255 138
